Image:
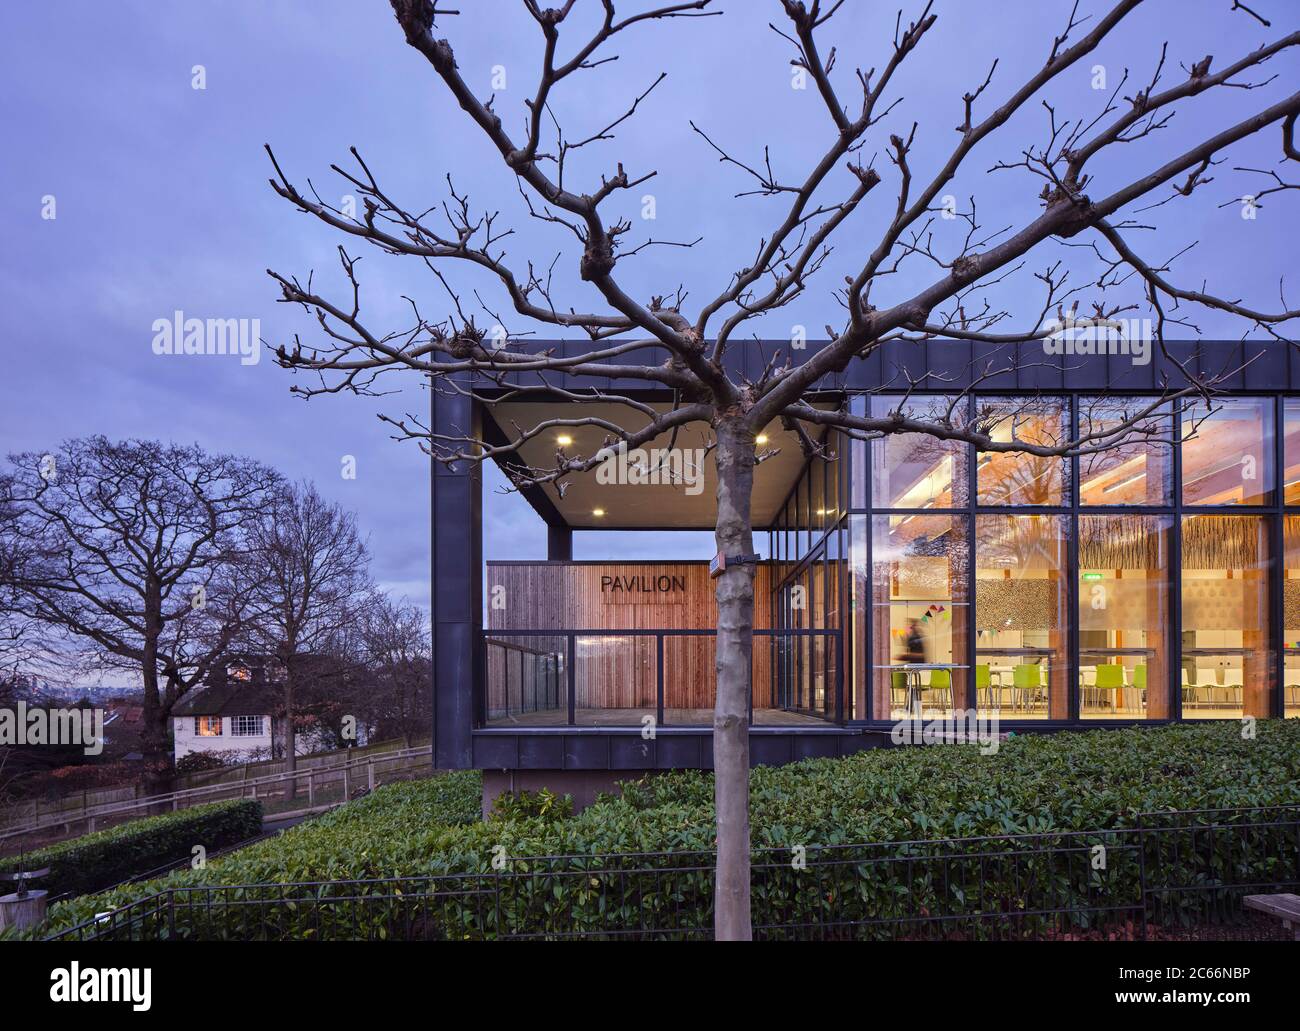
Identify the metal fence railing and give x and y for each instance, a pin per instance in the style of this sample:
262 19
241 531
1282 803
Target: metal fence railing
337 778
77 805
1172 875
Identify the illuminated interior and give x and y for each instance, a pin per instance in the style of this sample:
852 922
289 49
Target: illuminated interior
1021 624
915 578
1124 616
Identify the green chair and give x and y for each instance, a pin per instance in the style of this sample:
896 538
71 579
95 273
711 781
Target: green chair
1110 679
898 688
1027 680
941 680
1140 683
984 683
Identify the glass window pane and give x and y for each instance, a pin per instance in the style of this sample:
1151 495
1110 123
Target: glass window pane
858 459
1021 616
1124 567
837 473
1226 665
526 680
859 585
919 612
1017 478
790 542
916 470
1228 452
802 520
817 503
1291 615
615 683
689 681
1291 415
1138 470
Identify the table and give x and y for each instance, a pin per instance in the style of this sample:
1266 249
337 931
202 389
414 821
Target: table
912 671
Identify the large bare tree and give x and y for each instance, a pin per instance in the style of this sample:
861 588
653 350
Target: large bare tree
861 114
315 578
137 550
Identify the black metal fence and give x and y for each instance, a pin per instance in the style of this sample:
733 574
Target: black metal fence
1177 875
560 672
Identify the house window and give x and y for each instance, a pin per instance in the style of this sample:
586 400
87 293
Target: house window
207 726
246 726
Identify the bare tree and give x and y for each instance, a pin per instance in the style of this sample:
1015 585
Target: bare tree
394 637
135 549
314 564
21 637
814 207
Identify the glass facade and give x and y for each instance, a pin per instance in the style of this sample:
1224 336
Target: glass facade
911 576
811 588
1138 582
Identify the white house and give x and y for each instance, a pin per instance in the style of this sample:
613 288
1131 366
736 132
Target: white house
232 714
239 712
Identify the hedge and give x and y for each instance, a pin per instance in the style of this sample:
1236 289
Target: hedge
97 861
1035 784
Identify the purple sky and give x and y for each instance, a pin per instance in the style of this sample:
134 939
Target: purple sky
163 205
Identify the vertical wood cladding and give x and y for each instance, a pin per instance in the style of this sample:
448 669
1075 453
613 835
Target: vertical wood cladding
613 672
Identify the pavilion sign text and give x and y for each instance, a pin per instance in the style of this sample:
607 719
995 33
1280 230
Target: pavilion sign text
651 587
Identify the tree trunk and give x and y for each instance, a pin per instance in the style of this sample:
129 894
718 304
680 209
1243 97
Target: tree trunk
733 659
153 736
290 738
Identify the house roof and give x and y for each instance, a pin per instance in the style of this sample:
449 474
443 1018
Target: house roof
126 712
232 698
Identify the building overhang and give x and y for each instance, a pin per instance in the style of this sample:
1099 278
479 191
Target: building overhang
669 483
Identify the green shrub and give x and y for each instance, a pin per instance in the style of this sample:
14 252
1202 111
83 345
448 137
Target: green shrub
1035 784
201 762
545 805
96 861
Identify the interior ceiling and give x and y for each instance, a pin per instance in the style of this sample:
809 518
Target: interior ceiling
689 504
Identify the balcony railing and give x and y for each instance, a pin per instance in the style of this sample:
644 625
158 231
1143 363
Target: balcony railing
634 677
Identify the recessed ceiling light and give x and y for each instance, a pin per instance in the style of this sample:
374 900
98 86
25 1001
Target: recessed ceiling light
598 512
564 440
761 439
